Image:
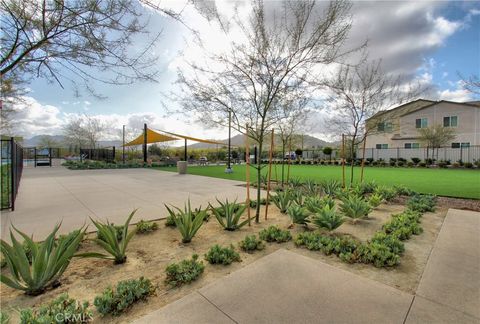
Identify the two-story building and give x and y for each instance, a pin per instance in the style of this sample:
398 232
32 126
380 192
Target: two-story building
398 127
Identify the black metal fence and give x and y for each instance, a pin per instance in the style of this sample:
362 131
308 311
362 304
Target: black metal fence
40 156
11 171
464 154
99 154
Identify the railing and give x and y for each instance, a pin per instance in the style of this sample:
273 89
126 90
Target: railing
99 154
464 154
11 171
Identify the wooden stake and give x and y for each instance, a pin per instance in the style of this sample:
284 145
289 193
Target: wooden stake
289 159
363 158
269 173
247 171
343 160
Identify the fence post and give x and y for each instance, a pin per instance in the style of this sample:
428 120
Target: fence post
35 157
12 173
50 155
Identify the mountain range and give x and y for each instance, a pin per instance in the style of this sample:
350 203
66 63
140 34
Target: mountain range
300 141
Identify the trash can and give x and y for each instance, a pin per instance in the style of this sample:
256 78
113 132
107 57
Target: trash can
182 167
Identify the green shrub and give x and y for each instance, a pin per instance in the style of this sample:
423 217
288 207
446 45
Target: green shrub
313 203
283 200
295 182
275 234
263 201
62 309
250 243
49 261
184 272
355 207
228 215
368 186
404 225
391 241
422 203
375 200
222 255
328 218
297 197
403 190
188 222
328 201
126 293
108 239
468 165
311 188
4 318
298 214
70 237
146 227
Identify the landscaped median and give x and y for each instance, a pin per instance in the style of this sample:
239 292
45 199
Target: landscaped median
122 270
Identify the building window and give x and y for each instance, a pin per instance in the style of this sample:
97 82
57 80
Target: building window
421 123
451 121
463 145
412 145
385 127
382 146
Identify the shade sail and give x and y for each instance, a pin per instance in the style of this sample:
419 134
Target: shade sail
195 139
152 137
155 137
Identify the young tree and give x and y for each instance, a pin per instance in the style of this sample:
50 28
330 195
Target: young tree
83 131
47 141
327 150
276 53
436 136
471 83
359 93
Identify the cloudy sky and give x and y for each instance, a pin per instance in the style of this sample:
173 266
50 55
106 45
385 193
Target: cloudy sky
427 40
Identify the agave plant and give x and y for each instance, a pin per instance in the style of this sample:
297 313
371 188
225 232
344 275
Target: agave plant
228 215
355 207
311 187
294 182
328 218
375 200
282 200
298 214
50 259
328 201
188 222
313 203
297 197
108 239
331 187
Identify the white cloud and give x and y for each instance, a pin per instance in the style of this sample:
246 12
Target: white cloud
459 95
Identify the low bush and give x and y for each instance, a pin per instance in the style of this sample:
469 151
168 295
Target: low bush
118 232
4 318
468 165
62 309
422 164
126 293
368 187
298 215
327 218
48 261
263 201
170 220
222 255
375 200
403 190
422 203
388 193
404 225
275 234
330 187
250 243
416 160
144 227
184 271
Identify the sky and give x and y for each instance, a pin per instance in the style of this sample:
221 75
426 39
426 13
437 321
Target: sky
431 41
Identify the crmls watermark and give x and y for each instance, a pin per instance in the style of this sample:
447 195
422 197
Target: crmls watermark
75 318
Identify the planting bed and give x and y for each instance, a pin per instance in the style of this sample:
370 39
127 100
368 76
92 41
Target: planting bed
149 254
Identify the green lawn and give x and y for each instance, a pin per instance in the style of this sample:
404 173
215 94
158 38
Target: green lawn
442 182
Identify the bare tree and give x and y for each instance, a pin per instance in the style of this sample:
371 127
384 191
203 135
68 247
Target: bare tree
84 131
471 83
360 92
47 141
277 53
436 136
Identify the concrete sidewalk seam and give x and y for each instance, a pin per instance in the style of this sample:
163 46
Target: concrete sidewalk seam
448 306
76 198
409 309
219 309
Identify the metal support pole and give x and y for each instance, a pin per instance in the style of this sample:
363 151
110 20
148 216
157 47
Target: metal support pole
12 172
185 153
144 143
123 145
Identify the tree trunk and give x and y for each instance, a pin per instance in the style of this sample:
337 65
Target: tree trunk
259 178
352 151
283 164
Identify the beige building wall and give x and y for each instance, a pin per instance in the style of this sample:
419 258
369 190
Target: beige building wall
404 130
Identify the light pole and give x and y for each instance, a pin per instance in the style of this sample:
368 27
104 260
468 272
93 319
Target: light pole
123 146
229 167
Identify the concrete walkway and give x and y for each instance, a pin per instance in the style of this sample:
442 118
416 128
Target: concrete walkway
285 287
50 195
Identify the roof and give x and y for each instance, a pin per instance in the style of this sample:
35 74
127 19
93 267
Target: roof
419 104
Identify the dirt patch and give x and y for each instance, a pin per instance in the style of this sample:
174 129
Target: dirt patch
149 254
448 202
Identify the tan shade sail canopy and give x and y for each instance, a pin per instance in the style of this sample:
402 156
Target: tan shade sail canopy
152 137
156 137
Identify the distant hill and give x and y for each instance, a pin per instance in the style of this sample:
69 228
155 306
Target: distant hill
239 140
60 139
